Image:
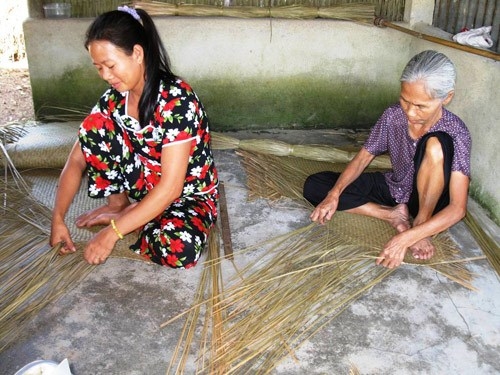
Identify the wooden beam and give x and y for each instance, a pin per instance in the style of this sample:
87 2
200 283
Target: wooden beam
224 221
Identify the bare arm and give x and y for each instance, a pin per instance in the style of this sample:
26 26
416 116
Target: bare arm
69 183
444 219
449 216
174 163
325 210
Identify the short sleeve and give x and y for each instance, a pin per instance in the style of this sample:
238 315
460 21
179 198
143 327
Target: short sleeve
376 143
178 112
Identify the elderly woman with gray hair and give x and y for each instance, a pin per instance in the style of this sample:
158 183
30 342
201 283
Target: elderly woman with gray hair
429 147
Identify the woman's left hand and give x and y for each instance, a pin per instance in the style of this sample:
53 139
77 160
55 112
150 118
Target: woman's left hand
100 246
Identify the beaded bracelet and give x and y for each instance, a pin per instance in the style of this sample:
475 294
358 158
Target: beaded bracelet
118 233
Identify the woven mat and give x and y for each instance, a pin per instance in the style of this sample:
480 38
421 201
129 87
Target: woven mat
43 145
44 185
275 177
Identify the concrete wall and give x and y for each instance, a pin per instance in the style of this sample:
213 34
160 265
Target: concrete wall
261 73
250 73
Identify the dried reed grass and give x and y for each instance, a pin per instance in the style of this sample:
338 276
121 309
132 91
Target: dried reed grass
488 245
11 132
352 11
299 282
206 299
31 273
279 148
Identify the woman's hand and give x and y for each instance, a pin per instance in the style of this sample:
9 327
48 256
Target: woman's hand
60 234
100 246
325 210
118 204
394 251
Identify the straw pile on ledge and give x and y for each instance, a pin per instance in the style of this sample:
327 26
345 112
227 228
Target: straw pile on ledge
350 12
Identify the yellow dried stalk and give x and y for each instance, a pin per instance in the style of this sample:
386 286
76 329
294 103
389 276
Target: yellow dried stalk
349 12
278 148
301 282
207 296
487 244
31 273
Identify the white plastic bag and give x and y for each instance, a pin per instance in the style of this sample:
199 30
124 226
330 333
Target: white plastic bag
475 37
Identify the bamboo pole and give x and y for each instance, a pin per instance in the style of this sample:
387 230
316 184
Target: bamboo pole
477 51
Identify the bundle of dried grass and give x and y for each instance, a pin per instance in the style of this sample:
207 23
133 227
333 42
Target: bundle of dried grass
300 281
487 243
206 300
31 273
309 152
358 12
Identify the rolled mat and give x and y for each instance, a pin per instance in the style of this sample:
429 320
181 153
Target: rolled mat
43 145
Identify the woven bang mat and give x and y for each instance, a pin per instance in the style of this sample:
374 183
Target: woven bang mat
276 177
43 184
296 283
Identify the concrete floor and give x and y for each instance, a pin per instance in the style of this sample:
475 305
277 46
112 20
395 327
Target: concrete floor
414 322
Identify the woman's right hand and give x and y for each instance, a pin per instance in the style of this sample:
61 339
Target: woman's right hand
325 210
60 234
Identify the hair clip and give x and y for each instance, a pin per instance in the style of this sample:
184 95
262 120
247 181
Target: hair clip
130 11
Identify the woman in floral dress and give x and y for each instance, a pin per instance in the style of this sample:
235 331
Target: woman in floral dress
146 148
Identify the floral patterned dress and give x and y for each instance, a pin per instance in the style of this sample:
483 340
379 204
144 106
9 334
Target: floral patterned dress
123 156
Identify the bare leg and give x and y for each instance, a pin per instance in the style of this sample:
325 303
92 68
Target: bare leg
430 185
103 215
397 216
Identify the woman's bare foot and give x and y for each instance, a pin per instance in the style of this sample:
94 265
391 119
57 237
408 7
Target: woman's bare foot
103 215
400 218
423 249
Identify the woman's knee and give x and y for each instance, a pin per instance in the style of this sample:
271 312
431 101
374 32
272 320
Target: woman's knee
317 186
434 151
184 250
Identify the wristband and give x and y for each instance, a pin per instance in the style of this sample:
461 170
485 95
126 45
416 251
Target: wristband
118 233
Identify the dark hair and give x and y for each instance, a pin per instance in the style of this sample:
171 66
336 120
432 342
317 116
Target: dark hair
124 31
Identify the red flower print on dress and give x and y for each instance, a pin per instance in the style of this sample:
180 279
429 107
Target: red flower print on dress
200 211
176 246
199 224
182 136
152 179
163 239
178 223
152 150
140 181
172 260
204 170
96 121
109 125
111 104
94 161
101 183
171 104
144 247
185 86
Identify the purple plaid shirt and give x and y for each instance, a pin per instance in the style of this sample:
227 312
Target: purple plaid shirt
390 134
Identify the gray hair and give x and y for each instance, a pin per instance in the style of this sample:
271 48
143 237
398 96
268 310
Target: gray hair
435 70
